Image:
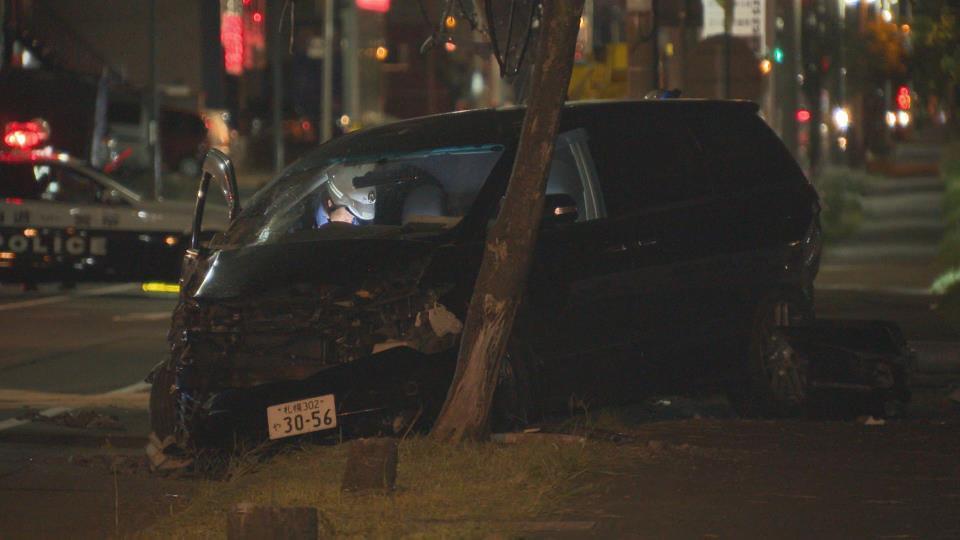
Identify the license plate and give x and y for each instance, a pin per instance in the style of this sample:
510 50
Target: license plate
301 416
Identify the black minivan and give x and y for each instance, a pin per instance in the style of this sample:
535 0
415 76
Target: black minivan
678 237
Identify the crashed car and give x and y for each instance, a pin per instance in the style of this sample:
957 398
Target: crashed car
677 236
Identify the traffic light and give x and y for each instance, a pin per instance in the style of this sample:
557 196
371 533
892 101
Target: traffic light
903 98
778 55
766 66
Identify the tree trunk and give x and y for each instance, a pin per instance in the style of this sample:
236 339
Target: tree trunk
510 242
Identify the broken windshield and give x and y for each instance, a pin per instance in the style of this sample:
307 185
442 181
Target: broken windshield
422 191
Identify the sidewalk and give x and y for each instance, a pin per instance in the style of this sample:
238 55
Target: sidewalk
896 245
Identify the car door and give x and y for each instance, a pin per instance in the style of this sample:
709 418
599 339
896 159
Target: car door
654 180
580 304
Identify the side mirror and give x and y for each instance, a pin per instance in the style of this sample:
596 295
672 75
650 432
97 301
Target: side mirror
559 208
215 166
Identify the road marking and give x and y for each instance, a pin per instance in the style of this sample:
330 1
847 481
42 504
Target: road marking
65 297
856 287
130 389
143 316
54 411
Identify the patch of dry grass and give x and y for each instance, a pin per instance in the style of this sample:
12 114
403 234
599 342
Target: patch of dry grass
442 490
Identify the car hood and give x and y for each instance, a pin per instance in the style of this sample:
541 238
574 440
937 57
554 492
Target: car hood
303 269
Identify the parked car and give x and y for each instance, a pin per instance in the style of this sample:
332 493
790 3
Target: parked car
678 235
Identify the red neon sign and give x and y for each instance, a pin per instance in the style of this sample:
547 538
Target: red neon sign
231 37
380 6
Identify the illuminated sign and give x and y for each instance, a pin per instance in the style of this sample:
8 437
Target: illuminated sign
231 37
380 6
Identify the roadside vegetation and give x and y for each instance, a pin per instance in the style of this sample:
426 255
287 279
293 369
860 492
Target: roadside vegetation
840 190
948 284
469 490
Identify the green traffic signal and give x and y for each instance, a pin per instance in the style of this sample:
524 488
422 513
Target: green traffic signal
778 55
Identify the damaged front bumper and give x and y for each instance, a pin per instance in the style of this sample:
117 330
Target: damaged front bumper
868 359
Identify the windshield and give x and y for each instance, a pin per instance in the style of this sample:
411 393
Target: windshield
422 191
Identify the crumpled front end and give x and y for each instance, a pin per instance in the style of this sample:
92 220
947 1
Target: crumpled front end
247 343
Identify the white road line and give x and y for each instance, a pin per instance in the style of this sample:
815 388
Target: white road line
143 316
54 411
65 297
130 389
856 287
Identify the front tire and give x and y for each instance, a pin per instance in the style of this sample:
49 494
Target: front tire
164 447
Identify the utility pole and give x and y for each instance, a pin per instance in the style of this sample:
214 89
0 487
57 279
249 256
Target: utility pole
787 77
328 30
350 61
728 12
275 37
153 127
655 42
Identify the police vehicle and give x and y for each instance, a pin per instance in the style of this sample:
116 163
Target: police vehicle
62 220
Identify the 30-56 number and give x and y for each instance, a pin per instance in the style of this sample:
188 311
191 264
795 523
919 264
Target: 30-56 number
296 422
326 420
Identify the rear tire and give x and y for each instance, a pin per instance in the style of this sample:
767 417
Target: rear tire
775 382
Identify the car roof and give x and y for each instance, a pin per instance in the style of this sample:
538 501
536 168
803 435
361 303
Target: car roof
46 156
653 106
494 126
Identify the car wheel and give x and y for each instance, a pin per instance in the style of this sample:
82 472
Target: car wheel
164 448
776 378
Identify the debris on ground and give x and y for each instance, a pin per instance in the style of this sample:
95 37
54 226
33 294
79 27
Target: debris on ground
676 407
84 419
515 438
162 454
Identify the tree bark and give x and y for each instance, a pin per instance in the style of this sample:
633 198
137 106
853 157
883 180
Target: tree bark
510 242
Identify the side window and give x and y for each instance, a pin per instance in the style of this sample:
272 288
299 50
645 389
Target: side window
572 172
21 181
67 185
648 162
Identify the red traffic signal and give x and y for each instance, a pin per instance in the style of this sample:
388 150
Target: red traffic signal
903 98
803 115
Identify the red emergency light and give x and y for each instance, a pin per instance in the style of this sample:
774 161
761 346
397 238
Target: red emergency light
25 135
379 6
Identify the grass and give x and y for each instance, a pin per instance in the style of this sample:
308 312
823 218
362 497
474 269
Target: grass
442 490
840 195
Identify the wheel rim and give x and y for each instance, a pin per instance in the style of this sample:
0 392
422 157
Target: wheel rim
785 370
